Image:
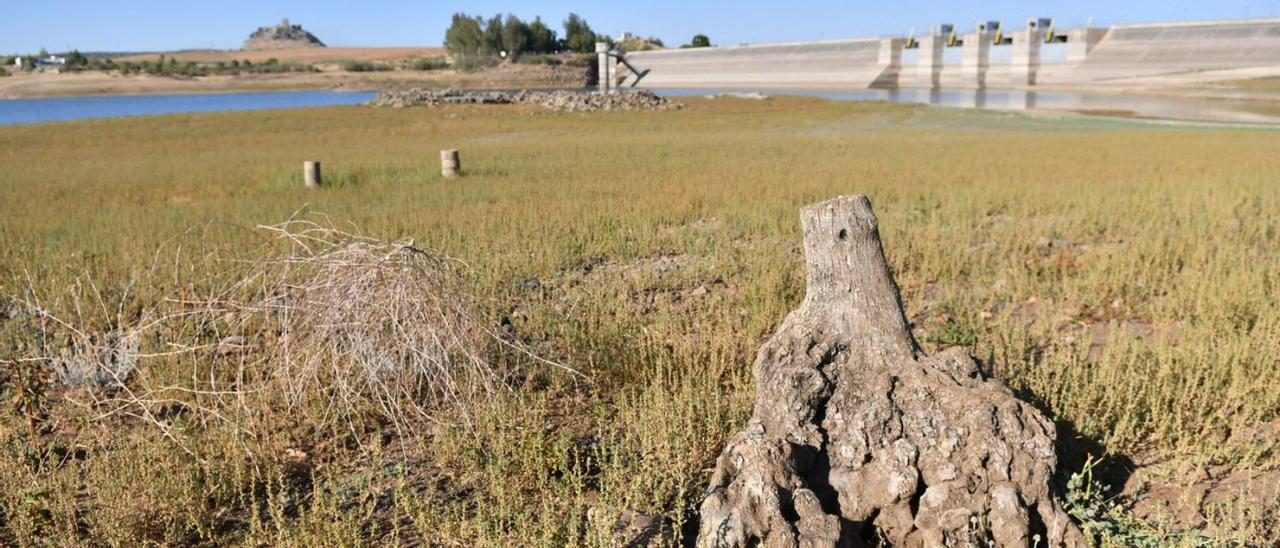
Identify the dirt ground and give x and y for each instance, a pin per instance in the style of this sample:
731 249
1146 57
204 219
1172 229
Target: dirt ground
300 55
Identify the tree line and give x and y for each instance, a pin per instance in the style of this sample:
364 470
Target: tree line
510 36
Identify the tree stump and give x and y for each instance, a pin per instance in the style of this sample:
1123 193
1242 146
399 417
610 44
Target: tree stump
857 438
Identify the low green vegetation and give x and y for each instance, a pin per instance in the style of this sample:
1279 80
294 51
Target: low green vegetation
1118 275
163 66
427 63
365 66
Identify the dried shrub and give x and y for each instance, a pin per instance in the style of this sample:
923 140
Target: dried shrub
315 320
354 321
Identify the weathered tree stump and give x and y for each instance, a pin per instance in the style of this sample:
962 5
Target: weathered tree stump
858 438
450 164
311 174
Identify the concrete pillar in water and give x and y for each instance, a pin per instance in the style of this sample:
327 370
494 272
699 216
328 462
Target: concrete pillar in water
973 98
977 58
1081 41
606 68
1020 99
311 174
450 164
929 63
1026 57
891 60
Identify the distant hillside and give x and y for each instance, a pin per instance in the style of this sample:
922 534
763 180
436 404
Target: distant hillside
298 55
282 36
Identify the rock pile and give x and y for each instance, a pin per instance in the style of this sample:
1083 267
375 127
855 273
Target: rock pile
565 101
282 36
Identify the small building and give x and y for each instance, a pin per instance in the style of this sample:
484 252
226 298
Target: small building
52 63
17 62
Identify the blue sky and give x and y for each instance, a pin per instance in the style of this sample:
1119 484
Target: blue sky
152 25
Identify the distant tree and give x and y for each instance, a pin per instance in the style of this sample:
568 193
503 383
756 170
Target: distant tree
76 59
493 35
515 36
699 41
541 38
44 53
578 35
465 35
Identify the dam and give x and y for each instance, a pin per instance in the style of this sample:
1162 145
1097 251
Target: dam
988 56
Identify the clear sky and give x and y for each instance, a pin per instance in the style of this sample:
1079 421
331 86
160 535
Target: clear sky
154 25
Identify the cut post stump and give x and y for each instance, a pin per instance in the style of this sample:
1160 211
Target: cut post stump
311 174
857 437
450 165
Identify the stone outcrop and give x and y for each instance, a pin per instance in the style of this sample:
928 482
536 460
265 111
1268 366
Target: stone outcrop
857 438
568 101
282 36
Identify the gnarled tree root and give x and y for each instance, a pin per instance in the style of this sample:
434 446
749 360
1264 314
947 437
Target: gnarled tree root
857 438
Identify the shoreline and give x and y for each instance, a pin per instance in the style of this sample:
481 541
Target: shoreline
1245 98
102 84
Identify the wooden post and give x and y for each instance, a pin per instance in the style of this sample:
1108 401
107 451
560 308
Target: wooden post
311 173
450 165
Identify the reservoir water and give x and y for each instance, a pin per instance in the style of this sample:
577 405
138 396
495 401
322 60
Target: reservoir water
1155 107
32 111
1183 109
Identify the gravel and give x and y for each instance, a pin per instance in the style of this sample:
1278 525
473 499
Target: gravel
565 101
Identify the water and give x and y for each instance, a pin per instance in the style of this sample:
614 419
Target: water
33 111
1187 109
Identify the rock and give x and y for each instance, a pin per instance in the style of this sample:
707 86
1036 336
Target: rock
567 101
857 436
282 36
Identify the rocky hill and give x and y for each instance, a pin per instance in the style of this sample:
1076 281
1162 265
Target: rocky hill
282 36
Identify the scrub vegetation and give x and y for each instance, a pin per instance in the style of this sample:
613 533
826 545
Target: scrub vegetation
564 335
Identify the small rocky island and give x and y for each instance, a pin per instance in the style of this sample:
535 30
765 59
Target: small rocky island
282 36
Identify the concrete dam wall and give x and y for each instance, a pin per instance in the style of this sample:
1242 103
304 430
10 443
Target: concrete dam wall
1129 51
1125 54
859 63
